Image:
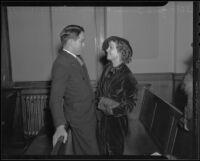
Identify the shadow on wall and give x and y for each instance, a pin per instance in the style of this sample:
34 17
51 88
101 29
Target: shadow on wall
103 55
183 100
103 58
189 62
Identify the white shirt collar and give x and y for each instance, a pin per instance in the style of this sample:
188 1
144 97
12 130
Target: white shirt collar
74 55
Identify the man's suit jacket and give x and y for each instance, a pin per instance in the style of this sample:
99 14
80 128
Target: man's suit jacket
71 81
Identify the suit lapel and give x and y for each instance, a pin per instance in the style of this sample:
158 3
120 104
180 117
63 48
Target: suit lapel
88 79
74 62
85 73
81 69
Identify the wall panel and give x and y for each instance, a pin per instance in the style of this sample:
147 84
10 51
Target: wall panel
30 43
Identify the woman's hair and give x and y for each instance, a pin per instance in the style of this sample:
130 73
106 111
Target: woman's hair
70 32
122 46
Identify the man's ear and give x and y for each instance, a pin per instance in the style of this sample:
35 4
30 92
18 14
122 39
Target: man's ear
70 41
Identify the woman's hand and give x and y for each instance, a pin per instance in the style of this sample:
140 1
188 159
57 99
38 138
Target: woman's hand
60 131
107 104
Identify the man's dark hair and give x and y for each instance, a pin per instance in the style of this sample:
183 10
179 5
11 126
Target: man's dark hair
70 32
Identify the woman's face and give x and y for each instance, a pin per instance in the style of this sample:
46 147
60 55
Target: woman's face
112 53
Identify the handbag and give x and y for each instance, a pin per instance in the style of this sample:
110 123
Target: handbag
107 105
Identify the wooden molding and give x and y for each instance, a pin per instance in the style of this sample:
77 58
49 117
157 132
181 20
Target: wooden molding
153 76
32 84
140 78
178 76
6 72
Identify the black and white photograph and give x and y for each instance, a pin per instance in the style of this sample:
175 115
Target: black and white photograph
105 80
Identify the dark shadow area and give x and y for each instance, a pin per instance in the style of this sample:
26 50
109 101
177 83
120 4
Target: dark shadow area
184 145
42 143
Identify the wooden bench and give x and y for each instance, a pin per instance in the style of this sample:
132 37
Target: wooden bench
155 128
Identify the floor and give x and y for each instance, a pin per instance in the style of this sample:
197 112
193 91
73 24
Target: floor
13 145
138 142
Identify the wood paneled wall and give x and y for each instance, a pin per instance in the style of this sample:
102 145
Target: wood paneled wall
162 84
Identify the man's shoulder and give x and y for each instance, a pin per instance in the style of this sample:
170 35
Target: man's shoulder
62 59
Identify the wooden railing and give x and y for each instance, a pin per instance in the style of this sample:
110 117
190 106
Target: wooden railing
155 130
160 120
63 148
57 146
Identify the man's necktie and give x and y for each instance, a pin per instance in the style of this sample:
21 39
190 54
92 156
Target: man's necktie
80 59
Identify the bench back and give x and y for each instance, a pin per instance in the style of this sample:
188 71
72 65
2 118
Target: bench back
134 114
160 120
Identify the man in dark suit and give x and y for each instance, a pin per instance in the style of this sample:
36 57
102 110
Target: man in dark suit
72 98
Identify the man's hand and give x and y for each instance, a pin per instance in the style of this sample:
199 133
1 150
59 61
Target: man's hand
60 131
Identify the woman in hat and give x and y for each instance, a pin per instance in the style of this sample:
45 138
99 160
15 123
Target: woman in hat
115 96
